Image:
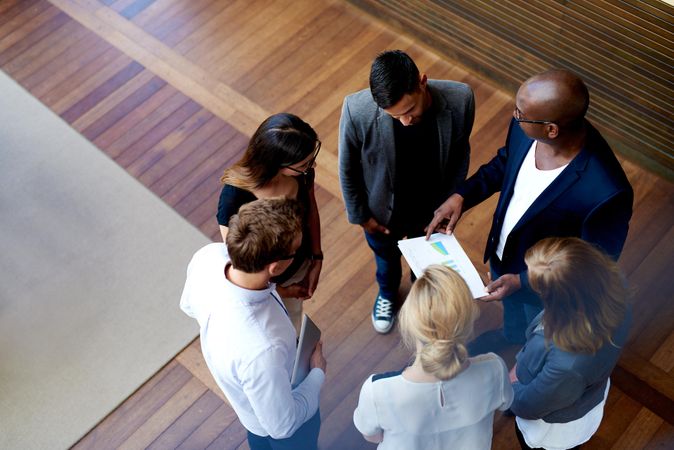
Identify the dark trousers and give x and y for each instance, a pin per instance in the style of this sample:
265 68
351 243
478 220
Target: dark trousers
305 438
387 257
389 268
524 445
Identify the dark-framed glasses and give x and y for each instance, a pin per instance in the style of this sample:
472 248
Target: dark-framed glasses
517 115
304 168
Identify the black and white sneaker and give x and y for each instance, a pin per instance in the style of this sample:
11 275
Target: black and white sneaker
382 315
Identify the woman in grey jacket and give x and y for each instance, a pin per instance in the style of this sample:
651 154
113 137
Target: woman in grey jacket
561 378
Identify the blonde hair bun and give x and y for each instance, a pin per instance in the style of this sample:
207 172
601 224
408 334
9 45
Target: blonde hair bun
439 313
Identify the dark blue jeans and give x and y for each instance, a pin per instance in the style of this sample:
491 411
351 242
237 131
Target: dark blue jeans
519 309
305 438
389 269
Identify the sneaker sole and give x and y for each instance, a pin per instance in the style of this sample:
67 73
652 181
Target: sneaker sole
377 329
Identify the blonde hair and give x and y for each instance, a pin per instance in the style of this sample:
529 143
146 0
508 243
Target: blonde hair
439 313
583 293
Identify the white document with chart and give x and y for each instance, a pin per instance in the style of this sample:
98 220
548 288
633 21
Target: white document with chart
441 249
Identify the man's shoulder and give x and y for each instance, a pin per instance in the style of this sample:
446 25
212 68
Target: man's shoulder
213 252
451 89
452 96
603 165
361 100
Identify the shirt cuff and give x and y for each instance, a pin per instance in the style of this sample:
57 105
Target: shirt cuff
316 375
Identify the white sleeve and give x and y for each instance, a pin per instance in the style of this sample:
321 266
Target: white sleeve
365 416
279 409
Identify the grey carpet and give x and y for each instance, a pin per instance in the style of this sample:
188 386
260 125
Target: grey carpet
91 269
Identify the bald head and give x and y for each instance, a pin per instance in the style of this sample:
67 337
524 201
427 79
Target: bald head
556 95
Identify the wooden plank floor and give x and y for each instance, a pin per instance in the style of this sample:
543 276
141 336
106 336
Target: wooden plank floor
172 89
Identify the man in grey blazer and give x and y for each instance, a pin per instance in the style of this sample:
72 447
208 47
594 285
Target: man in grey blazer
403 147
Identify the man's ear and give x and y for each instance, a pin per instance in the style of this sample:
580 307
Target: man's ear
552 130
423 79
274 268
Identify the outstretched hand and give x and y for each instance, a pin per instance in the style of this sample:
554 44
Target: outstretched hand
502 287
446 216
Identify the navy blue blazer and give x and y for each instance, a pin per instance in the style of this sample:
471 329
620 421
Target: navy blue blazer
590 199
559 386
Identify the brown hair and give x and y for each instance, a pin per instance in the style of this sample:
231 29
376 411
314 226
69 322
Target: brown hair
280 141
439 313
263 232
583 293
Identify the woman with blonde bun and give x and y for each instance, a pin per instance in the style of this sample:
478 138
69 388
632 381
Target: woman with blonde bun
561 378
444 400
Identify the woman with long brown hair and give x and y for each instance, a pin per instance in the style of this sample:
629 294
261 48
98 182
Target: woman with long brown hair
279 162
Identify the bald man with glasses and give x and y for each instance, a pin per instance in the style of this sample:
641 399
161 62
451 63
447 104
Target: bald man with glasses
557 177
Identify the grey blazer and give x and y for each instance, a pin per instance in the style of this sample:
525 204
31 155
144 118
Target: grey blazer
367 149
559 386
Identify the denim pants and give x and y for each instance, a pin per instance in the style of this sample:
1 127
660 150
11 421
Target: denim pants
305 438
389 268
519 309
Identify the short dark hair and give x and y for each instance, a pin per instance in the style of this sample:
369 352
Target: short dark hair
263 232
393 74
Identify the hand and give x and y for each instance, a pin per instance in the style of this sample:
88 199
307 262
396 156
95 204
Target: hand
504 286
513 374
446 216
296 290
311 280
372 227
317 358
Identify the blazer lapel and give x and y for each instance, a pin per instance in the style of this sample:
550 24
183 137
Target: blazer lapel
566 179
387 145
444 122
515 159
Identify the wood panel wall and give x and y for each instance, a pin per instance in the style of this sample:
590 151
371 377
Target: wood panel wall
623 49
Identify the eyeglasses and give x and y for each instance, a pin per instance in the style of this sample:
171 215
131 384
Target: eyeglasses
286 257
304 169
517 114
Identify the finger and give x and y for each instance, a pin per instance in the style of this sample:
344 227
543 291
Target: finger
494 285
492 296
452 222
431 226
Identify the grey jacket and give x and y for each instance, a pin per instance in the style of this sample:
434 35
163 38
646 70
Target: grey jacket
558 386
367 149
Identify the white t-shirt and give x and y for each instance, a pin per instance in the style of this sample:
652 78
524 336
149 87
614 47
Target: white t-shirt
529 185
249 346
453 414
